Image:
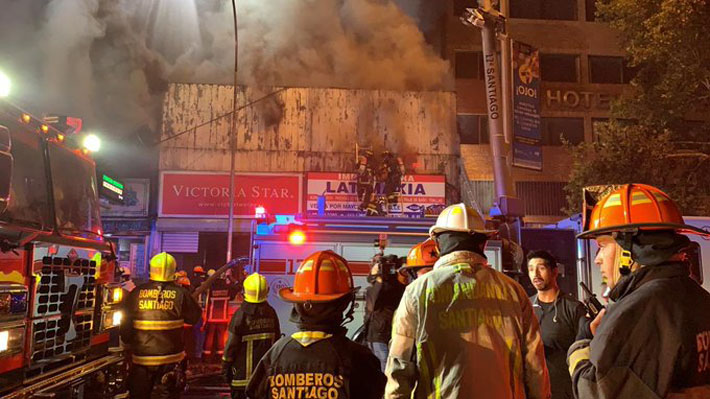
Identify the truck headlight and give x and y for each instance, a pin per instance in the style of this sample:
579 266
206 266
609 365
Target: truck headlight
12 340
117 316
117 295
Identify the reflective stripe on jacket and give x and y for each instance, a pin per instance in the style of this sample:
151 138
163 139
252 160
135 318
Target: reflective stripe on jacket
465 330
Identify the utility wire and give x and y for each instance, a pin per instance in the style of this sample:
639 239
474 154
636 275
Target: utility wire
273 93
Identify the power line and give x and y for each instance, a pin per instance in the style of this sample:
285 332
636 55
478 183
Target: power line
273 93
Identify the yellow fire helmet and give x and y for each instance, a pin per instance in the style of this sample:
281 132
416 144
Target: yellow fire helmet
162 267
255 288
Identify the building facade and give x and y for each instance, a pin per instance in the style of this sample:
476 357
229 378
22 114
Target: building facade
582 69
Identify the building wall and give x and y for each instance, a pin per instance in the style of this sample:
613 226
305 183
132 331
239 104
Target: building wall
307 129
581 99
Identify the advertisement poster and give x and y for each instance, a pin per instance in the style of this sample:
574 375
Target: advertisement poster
527 132
136 193
422 195
206 194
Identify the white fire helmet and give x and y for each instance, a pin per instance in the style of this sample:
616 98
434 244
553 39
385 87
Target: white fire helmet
462 218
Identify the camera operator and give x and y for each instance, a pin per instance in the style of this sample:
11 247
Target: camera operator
382 298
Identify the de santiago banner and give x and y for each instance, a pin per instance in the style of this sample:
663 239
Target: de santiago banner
422 195
527 132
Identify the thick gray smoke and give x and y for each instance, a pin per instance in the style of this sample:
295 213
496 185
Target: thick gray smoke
109 61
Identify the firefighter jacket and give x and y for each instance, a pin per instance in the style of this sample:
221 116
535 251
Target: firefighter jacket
155 313
465 330
252 331
315 364
220 293
654 342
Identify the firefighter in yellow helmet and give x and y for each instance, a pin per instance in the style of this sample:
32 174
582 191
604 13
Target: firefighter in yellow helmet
465 330
153 328
654 340
254 327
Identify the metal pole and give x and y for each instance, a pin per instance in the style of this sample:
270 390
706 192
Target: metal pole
232 138
501 173
507 81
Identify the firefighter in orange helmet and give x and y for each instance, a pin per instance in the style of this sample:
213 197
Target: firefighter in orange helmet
319 360
652 342
421 258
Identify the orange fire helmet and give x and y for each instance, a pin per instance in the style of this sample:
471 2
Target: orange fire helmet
322 277
424 254
198 269
631 208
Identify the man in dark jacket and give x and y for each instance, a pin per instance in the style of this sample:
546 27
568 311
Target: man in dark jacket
381 300
653 341
559 315
318 361
252 331
153 328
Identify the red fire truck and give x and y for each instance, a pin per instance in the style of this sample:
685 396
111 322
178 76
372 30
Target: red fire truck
59 304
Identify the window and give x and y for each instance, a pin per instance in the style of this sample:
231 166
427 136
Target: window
473 129
553 129
544 9
468 65
543 198
559 67
604 69
590 9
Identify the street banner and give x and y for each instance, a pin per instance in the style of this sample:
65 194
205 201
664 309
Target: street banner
527 132
422 195
206 194
136 193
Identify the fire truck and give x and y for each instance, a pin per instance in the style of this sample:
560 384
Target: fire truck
59 302
279 246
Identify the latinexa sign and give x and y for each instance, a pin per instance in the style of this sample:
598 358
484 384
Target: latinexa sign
421 194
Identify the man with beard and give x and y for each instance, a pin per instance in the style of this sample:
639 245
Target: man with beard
559 315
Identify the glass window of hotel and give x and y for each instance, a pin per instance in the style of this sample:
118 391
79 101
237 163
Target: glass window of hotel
473 129
544 9
559 67
590 7
607 69
468 65
554 129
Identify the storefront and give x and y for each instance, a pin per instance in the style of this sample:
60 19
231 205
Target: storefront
193 208
129 226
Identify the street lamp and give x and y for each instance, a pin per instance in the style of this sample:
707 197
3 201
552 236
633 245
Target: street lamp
92 143
5 85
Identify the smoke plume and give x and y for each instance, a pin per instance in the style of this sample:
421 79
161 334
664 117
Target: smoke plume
109 61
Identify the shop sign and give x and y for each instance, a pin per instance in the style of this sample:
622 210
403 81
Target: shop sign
422 195
206 194
136 195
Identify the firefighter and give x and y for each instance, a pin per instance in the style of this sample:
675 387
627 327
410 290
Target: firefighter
217 309
421 259
365 181
391 172
198 331
319 360
153 328
653 342
465 330
252 331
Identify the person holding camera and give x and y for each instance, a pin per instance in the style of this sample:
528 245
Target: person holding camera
382 299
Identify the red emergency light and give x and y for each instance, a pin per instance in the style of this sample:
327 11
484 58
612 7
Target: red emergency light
297 237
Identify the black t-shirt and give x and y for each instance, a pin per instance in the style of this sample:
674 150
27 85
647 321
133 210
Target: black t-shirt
558 326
